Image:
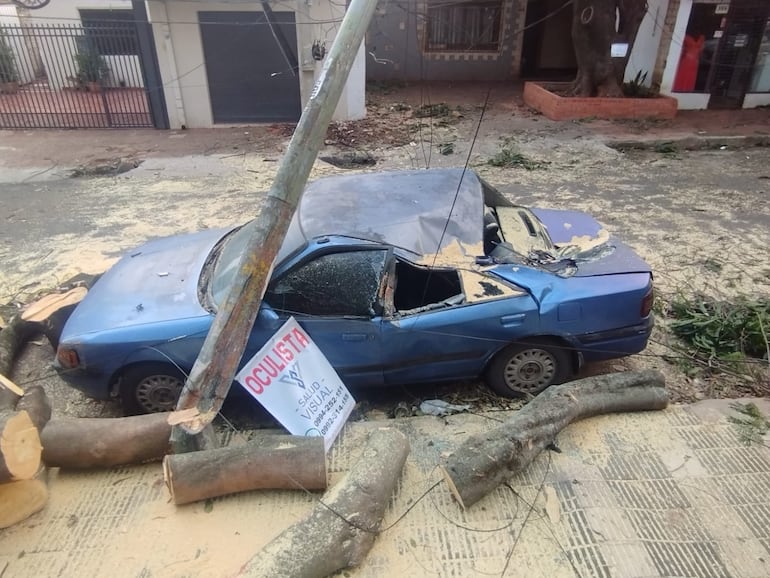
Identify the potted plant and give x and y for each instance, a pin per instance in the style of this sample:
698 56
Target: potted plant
9 75
92 68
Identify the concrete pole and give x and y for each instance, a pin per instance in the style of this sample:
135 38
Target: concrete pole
217 363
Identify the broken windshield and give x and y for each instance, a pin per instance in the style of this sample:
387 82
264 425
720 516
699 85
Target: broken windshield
225 259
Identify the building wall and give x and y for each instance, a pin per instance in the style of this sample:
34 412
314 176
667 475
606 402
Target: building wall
180 55
395 40
647 43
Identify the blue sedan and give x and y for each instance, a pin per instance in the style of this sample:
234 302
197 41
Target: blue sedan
399 277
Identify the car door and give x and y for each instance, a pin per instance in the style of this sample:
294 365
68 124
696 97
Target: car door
335 297
455 337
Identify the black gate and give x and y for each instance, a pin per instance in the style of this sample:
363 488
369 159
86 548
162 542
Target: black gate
72 76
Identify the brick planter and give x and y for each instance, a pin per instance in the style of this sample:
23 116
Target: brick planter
558 107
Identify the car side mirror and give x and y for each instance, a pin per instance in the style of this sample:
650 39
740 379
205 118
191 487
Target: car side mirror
267 317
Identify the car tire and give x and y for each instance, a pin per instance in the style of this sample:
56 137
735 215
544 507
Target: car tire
150 388
528 368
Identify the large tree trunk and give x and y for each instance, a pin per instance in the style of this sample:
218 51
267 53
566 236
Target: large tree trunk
267 462
81 443
593 32
341 529
485 460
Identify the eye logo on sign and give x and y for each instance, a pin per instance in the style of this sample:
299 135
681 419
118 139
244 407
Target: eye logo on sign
293 376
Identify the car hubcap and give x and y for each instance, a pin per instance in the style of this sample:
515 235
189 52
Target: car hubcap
158 392
530 370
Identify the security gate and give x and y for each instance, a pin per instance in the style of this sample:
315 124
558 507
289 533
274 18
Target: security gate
85 75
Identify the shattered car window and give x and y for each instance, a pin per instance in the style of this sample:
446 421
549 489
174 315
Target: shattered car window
335 284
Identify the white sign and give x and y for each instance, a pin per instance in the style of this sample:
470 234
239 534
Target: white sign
619 50
295 382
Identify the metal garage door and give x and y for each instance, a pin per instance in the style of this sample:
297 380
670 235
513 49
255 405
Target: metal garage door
251 64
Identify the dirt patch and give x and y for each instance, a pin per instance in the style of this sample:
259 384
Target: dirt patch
104 168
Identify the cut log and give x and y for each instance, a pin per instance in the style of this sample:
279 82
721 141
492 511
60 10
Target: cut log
19 500
268 462
19 446
484 461
35 403
81 443
46 306
341 529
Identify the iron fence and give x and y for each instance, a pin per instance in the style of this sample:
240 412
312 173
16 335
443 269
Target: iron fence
72 76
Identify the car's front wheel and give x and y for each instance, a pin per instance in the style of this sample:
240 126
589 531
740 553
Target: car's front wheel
150 388
528 368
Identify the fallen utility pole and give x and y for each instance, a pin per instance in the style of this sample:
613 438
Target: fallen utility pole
216 365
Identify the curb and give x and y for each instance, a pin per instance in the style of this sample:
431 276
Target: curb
690 143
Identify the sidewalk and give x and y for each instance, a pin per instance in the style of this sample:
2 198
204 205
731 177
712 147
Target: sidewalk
660 494
505 114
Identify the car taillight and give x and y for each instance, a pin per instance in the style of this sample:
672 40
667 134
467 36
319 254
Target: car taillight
68 358
647 302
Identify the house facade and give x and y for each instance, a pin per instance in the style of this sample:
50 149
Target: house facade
180 63
719 54
206 63
705 53
233 62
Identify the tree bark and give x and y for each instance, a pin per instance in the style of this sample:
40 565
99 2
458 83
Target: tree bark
12 339
485 460
35 403
593 33
20 499
341 529
268 462
81 443
19 446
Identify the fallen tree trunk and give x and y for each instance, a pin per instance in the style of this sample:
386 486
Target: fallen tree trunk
341 529
19 446
12 339
35 403
81 443
485 460
268 462
20 499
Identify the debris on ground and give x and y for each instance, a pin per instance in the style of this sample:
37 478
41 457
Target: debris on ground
439 407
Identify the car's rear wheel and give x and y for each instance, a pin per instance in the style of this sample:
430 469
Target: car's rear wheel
150 388
528 368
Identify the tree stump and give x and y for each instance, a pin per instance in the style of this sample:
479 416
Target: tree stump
485 460
341 529
268 462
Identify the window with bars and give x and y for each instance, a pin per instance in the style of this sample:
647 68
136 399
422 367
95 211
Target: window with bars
463 25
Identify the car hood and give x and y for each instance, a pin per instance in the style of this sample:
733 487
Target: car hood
153 283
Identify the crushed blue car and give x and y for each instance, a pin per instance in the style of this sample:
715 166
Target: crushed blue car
400 277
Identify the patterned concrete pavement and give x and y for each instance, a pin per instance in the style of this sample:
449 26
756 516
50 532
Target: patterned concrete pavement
672 493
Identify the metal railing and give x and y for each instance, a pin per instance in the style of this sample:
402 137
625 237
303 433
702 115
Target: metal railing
72 76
